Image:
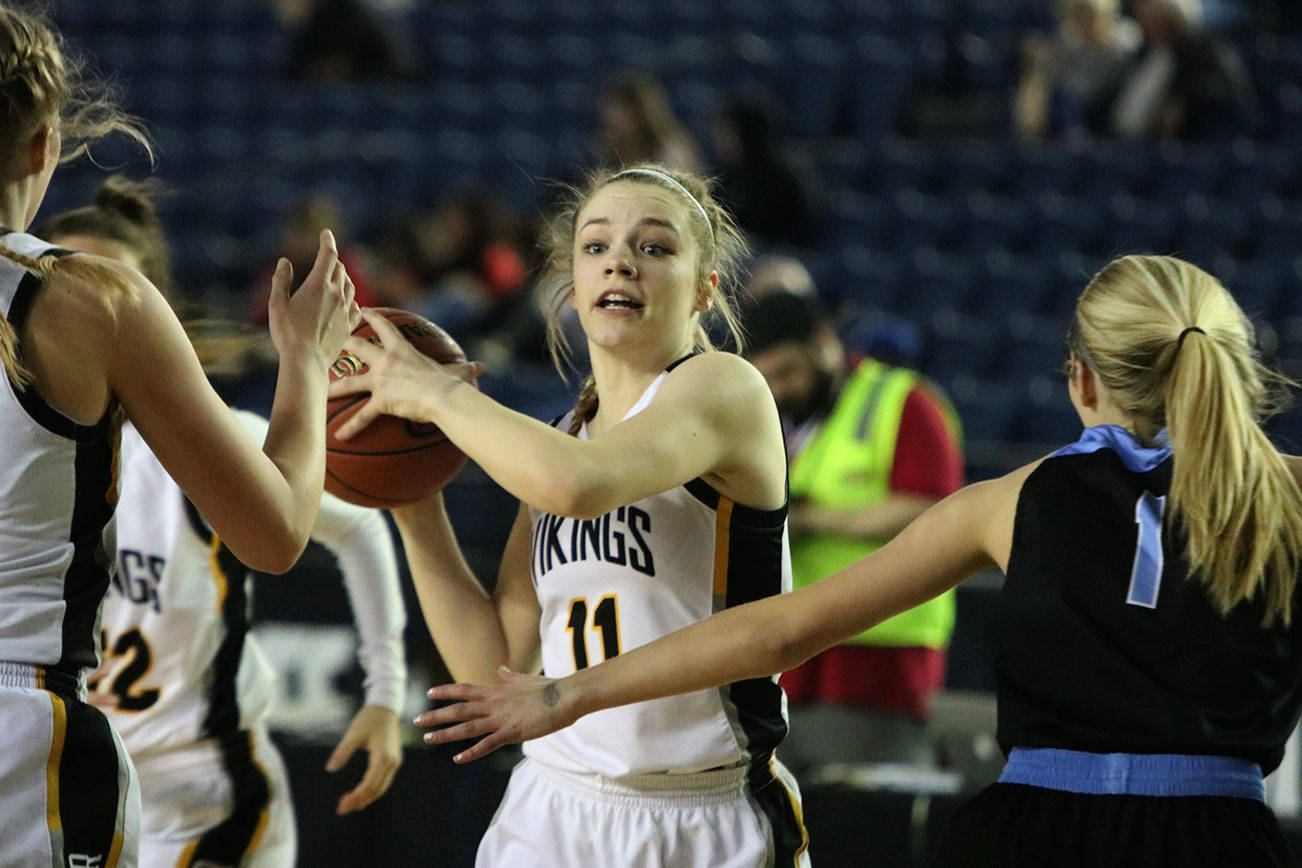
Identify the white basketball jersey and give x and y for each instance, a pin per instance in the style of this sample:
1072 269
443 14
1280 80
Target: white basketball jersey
57 494
613 583
177 648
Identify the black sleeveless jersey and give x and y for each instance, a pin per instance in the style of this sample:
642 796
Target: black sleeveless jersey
1105 643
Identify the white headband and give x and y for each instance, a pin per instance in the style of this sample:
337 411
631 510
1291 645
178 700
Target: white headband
669 179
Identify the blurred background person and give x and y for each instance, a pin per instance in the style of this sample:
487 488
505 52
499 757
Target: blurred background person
764 186
339 40
638 125
1184 84
461 266
869 450
1067 80
298 232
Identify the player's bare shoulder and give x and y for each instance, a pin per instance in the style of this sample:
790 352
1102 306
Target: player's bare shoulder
94 294
737 400
735 389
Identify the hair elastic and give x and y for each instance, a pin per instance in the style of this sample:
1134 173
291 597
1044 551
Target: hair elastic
673 182
1179 342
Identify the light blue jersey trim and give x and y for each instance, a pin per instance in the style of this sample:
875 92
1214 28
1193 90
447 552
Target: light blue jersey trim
1137 458
1134 774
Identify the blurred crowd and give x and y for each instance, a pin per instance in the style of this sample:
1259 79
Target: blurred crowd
1079 69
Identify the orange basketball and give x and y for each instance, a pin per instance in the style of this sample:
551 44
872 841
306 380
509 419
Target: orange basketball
392 461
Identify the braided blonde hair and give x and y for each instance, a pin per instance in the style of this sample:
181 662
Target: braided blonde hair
718 239
40 81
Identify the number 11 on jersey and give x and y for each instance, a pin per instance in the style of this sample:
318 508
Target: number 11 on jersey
605 619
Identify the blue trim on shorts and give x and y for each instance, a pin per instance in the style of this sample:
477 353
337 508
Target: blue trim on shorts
1130 774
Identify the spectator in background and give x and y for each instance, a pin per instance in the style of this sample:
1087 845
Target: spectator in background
869 450
761 183
298 239
1067 81
460 267
776 273
339 40
1183 84
638 125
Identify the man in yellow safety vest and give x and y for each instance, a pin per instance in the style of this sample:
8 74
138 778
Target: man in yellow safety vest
870 447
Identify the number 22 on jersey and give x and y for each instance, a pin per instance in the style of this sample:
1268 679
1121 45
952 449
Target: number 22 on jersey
605 621
131 644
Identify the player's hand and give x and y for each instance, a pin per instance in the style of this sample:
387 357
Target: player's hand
375 729
523 707
401 379
97 692
320 314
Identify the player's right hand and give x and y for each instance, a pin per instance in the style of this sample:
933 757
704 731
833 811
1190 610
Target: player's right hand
318 316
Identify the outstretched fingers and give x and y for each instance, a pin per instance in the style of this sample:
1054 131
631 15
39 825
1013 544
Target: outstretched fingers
327 257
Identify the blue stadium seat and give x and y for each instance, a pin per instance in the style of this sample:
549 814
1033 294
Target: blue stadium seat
1009 283
980 164
1210 225
972 353
987 410
1046 417
859 219
993 222
815 82
864 277
1181 170
925 219
1258 287
939 278
881 72
1141 225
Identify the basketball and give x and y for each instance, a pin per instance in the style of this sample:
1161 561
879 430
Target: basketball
392 461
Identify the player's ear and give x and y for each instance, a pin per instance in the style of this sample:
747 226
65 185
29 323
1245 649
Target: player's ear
42 148
705 298
1087 385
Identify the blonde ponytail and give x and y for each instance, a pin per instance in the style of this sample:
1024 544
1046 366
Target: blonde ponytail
1231 492
75 267
18 375
1176 352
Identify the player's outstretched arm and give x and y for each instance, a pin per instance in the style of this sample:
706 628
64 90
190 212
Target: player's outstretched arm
475 632
967 531
261 503
712 415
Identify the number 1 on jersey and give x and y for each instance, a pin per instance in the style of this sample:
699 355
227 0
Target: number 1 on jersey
605 618
1146 574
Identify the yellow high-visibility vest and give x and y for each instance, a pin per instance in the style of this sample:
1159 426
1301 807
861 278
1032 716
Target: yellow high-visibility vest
847 463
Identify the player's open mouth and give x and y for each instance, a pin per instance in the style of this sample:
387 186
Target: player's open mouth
618 301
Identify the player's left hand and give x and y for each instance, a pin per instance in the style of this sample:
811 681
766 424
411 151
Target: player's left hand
399 378
375 729
522 708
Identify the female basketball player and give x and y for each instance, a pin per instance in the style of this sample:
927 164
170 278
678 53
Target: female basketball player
184 684
85 341
660 499
1149 648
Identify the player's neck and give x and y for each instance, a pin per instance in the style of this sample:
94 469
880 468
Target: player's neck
14 201
620 385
